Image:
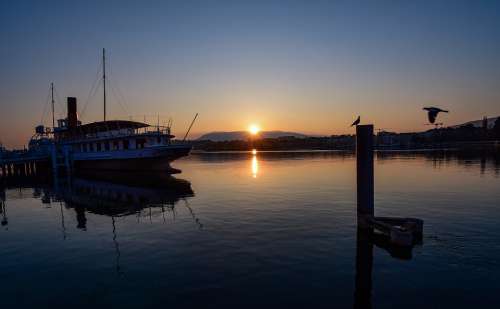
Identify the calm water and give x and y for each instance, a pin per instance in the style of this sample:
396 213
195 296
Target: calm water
243 230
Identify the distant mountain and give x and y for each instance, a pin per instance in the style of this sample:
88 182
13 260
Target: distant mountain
243 135
478 123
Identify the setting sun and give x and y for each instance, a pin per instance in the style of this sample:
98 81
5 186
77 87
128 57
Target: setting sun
253 129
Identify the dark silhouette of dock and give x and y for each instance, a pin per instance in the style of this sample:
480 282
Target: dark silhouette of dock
22 163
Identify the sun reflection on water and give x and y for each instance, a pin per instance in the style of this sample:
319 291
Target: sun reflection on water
255 164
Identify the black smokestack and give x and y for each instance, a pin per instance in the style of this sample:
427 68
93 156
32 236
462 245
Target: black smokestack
72 116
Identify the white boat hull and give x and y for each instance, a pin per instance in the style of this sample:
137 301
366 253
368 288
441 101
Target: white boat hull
146 159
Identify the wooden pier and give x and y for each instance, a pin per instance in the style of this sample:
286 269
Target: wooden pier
28 163
22 165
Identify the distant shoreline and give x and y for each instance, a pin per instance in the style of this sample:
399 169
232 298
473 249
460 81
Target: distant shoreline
457 147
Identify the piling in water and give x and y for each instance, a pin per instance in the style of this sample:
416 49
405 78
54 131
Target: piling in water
364 171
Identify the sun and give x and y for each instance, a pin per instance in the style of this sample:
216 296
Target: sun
253 129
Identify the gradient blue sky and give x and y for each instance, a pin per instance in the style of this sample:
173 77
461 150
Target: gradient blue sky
308 66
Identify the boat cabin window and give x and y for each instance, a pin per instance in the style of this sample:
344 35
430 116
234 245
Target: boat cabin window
98 145
139 143
125 144
106 146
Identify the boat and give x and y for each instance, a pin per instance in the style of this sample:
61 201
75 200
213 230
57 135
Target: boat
115 145
108 145
118 145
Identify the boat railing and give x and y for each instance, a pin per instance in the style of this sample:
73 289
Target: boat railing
125 132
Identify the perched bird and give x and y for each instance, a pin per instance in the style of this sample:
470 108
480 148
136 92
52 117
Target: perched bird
356 122
432 113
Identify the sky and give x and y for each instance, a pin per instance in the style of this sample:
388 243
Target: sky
304 66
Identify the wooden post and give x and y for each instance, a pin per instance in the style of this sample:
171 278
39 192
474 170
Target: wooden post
365 178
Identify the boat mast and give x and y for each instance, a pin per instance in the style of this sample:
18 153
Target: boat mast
104 79
52 96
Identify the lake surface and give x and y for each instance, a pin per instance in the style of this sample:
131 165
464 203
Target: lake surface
254 230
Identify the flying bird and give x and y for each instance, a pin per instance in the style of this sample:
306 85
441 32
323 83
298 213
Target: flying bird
356 122
432 113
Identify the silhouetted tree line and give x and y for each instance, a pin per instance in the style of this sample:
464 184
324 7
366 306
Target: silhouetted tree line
281 143
431 138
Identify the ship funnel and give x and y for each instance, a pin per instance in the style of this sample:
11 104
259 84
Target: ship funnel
72 115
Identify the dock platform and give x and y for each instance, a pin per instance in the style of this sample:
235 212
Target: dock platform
20 163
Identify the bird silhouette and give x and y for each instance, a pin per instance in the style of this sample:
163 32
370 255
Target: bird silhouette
432 113
356 122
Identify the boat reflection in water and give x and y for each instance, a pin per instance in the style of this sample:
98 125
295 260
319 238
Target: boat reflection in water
112 195
3 209
109 194
120 194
